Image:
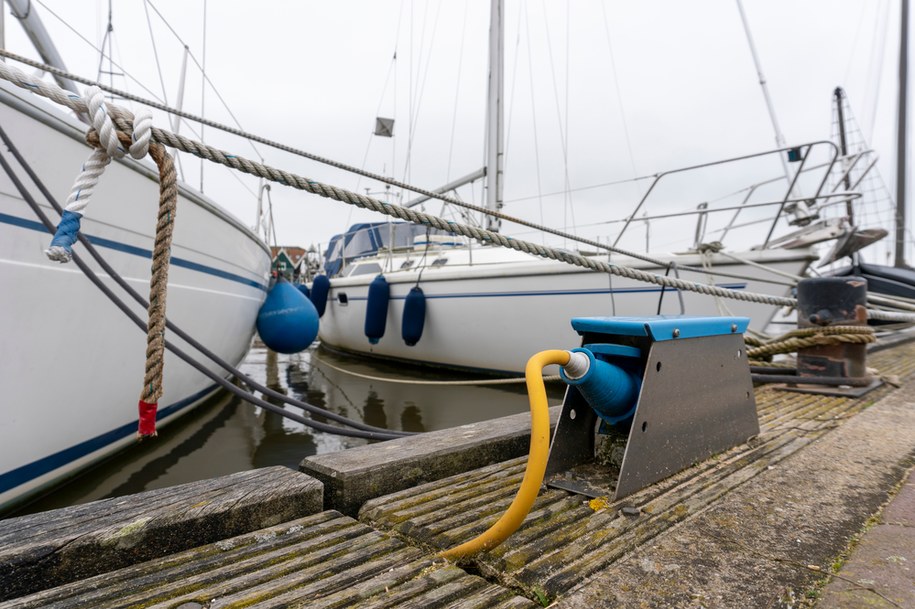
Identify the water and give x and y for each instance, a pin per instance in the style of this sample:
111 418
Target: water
228 435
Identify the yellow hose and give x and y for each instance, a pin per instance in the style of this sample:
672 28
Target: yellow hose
536 461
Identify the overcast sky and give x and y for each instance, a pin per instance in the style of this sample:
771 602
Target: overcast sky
596 92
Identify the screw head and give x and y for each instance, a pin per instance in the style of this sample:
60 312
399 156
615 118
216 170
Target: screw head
676 332
733 327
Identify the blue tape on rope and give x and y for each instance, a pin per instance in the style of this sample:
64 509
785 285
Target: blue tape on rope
65 236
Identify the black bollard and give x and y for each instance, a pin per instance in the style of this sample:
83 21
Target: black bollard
832 301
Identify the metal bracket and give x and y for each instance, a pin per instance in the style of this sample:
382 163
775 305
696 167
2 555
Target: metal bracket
696 400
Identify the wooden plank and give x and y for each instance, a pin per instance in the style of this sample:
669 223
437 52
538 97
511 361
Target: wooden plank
352 477
324 561
50 548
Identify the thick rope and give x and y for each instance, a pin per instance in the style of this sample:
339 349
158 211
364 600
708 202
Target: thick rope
123 120
158 282
106 147
811 337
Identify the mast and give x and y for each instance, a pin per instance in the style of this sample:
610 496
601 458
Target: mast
779 136
901 152
494 116
34 28
843 148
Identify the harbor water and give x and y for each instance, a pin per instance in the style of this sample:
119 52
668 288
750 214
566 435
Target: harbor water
228 435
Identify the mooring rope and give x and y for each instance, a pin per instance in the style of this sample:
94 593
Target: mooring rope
471 382
124 120
811 337
108 142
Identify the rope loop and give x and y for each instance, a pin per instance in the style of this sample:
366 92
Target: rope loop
101 122
105 139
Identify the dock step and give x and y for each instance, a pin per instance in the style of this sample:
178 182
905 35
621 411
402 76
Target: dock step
50 548
323 561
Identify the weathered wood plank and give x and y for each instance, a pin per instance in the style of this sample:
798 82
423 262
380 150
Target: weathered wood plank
324 561
352 477
43 550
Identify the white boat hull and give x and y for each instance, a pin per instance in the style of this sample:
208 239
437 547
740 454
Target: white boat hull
72 363
492 318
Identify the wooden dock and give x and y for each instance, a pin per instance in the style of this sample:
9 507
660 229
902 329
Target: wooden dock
762 525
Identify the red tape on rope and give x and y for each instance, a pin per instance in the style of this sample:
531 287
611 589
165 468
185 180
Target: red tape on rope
147 425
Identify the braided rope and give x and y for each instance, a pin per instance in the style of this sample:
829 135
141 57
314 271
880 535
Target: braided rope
158 282
124 120
811 337
107 147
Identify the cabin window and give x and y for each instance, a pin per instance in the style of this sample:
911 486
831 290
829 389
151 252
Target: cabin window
365 269
439 262
342 298
407 264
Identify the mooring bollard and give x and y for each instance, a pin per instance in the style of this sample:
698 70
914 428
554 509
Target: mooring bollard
832 301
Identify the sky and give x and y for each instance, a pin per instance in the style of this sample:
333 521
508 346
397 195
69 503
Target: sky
596 93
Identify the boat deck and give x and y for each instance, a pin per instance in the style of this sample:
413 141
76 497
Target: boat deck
762 525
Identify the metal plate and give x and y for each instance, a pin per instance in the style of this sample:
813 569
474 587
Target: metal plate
696 400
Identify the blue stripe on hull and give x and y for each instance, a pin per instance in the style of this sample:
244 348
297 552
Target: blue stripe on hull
138 251
26 473
597 291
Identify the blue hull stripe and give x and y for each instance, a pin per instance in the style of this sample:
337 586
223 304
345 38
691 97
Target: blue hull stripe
730 286
138 251
26 473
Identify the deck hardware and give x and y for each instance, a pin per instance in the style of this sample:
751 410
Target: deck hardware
701 404
825 302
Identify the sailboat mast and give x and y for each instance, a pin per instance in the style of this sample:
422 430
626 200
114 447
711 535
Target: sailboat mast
34 28
901 152
494 116
779 136
843 148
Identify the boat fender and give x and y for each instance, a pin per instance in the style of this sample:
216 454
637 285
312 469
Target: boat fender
287 321
414 316
303 288
320 287
376 309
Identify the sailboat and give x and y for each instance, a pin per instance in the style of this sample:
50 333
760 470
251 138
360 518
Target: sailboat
487 309
73 364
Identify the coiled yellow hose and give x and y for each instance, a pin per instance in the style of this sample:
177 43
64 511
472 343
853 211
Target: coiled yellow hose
536 461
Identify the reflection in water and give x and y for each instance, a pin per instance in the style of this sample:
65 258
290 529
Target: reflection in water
227 435
373 413
411 419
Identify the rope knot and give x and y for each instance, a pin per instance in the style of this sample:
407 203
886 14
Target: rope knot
107 143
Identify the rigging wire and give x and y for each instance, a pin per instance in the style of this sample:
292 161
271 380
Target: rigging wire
568 209
152 40
359 430
203 88
619 95
416 93
530 69
457 91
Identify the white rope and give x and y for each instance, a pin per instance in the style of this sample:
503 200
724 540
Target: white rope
94 167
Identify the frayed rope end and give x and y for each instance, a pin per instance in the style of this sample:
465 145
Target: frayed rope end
61 249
